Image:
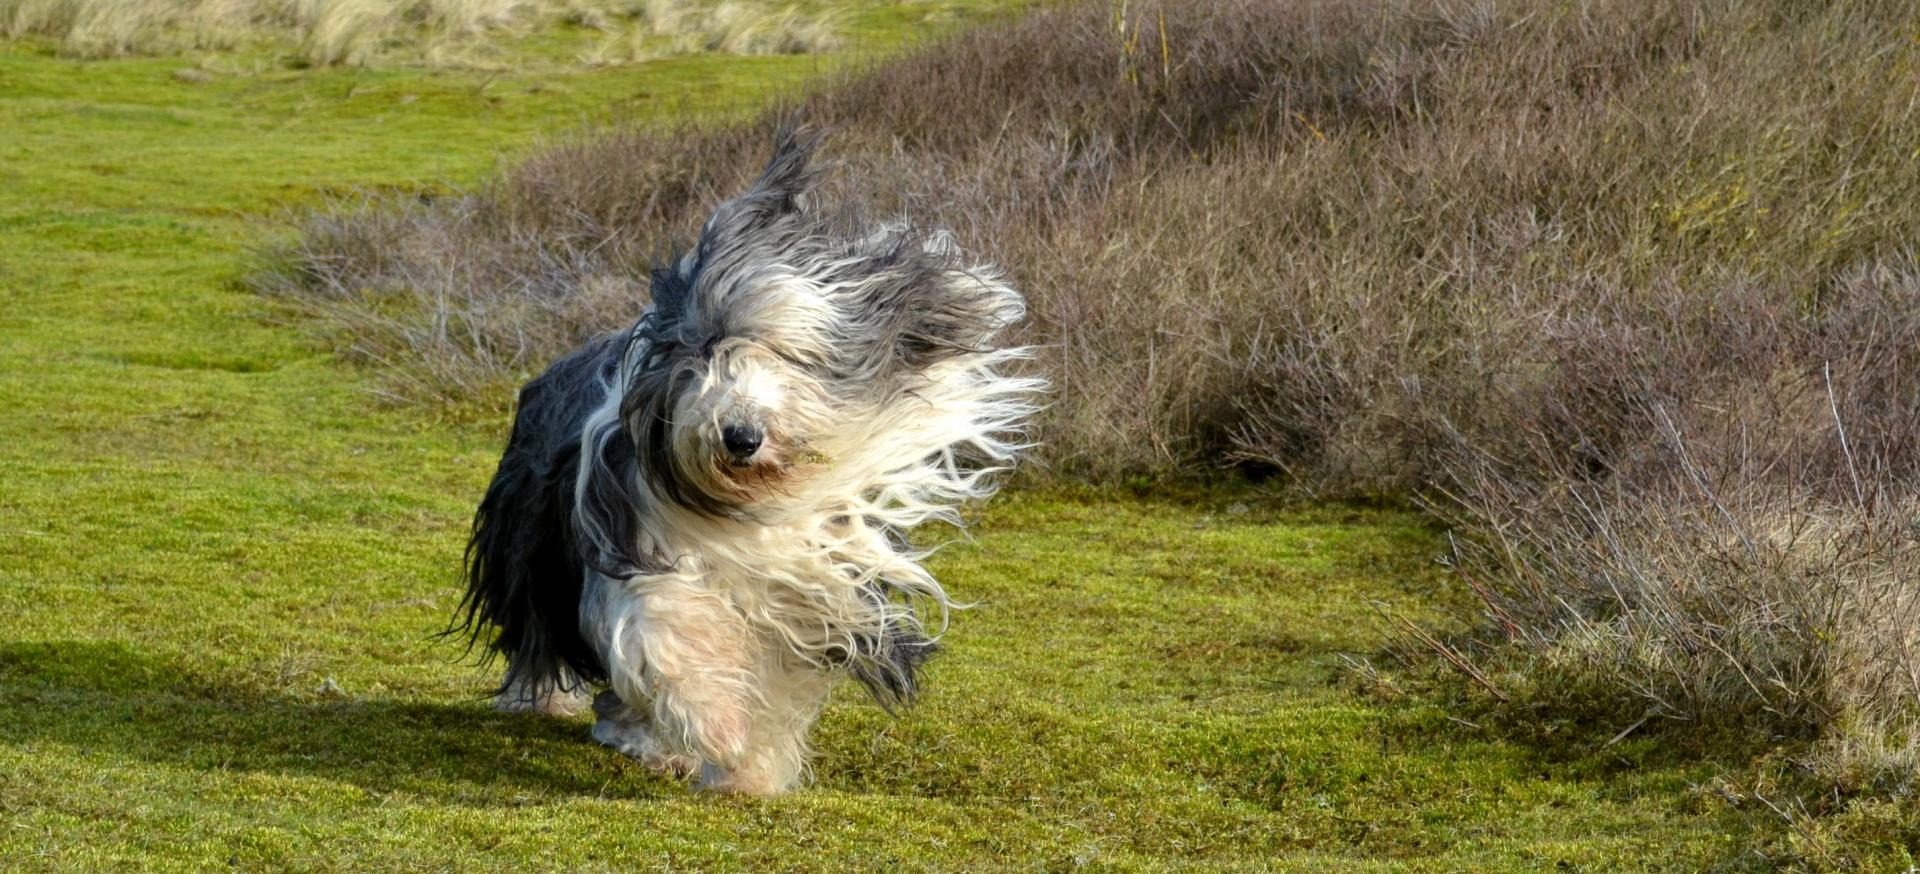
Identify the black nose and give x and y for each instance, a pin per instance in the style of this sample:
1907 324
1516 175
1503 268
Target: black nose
741 440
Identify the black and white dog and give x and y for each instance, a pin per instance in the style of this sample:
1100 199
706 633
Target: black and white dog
705 513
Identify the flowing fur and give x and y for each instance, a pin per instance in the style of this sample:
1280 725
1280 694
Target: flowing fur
626 540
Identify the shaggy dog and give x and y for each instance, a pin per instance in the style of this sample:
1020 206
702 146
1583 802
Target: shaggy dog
705 513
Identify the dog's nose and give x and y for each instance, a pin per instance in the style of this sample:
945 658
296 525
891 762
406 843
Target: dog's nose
742 440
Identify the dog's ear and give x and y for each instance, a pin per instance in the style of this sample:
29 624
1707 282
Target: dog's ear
780 192
759 217
789 174
605 521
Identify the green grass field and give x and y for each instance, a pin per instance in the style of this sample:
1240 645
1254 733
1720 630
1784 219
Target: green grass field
222 558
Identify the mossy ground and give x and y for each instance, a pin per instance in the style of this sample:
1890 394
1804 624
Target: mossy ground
221 561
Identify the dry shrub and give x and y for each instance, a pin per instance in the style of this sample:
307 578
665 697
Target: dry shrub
442 32
1709 514
1601 282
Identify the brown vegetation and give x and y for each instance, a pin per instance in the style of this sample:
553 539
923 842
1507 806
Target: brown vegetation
1623 289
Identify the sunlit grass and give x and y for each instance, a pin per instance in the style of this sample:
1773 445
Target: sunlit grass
221 559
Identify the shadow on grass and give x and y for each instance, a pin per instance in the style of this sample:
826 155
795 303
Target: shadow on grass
109 699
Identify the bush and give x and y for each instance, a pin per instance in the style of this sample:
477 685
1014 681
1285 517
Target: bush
1623 290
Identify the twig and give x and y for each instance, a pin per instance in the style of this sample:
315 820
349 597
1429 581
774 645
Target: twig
1626 731
1448 653
1853 469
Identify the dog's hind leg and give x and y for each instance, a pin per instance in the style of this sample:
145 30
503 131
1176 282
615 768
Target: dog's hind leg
563 698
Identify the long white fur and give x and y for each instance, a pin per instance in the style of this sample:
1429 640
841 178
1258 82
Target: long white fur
731 643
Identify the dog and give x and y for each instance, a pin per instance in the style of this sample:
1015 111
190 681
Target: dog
705 515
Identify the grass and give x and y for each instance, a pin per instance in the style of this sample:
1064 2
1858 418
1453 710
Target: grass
220 559
1624 291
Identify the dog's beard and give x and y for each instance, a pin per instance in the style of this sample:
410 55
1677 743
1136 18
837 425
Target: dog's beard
768 475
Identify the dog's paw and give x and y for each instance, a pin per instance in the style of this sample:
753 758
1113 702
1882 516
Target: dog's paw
740 781
673 765
649 751
632 737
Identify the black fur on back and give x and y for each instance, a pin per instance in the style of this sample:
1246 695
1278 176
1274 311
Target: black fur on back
524 568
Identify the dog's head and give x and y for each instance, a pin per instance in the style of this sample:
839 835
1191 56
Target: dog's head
788 353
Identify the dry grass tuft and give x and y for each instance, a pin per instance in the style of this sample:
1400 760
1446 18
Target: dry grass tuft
1603 283
444 32
683 27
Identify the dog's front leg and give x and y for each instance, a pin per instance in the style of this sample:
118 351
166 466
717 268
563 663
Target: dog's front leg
696 666
777 751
